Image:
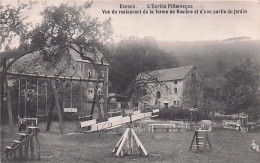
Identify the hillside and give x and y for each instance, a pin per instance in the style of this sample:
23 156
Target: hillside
213 58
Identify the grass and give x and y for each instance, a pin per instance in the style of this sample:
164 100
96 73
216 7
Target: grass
228 146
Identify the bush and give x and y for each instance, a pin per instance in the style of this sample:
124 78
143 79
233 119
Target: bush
179 113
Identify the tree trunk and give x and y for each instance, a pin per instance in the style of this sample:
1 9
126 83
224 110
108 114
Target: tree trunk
105 101
50 116
100 110
2 81
96 100
93 104
57 105
10 114
1 90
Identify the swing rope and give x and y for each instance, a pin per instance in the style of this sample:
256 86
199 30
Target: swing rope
25 98
46 97
71 93
63 93
37 96
19 97
80 86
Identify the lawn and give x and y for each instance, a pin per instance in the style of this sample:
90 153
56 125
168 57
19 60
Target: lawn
227 146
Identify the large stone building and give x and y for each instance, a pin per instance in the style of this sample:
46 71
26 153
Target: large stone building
178 87
69 65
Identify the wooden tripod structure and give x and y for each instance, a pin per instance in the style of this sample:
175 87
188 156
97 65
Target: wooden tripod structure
128 138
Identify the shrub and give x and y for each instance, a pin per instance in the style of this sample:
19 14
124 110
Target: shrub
179 113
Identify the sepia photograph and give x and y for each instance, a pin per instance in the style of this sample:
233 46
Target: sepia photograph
112 81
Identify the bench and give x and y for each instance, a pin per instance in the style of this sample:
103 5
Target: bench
180 124
230 124
168 127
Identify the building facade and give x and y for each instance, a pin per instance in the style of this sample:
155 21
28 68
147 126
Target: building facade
179 87
88 71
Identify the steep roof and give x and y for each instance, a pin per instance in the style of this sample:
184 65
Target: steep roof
172 73
33 63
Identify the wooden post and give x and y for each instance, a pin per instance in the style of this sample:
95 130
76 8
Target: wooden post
71 93
10 114
205 141
139 142
37 96
131 143
19 97
32 148
122 142
26 147
197 139
207 136
38 145
21 152
57 105
192 140
1 90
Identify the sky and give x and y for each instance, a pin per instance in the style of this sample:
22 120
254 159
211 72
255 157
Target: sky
184 27
174 27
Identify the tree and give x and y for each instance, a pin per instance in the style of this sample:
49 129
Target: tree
133 57
240 90
65 27
193 90
11 26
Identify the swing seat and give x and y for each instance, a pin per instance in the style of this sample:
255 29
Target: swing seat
41 115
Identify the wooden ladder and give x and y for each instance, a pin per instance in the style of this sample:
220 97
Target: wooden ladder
23 144
198 137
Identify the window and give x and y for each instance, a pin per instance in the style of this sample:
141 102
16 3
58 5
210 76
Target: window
93 73
175 90
103 74
175 81
82 67
89 73
174 102
158 94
